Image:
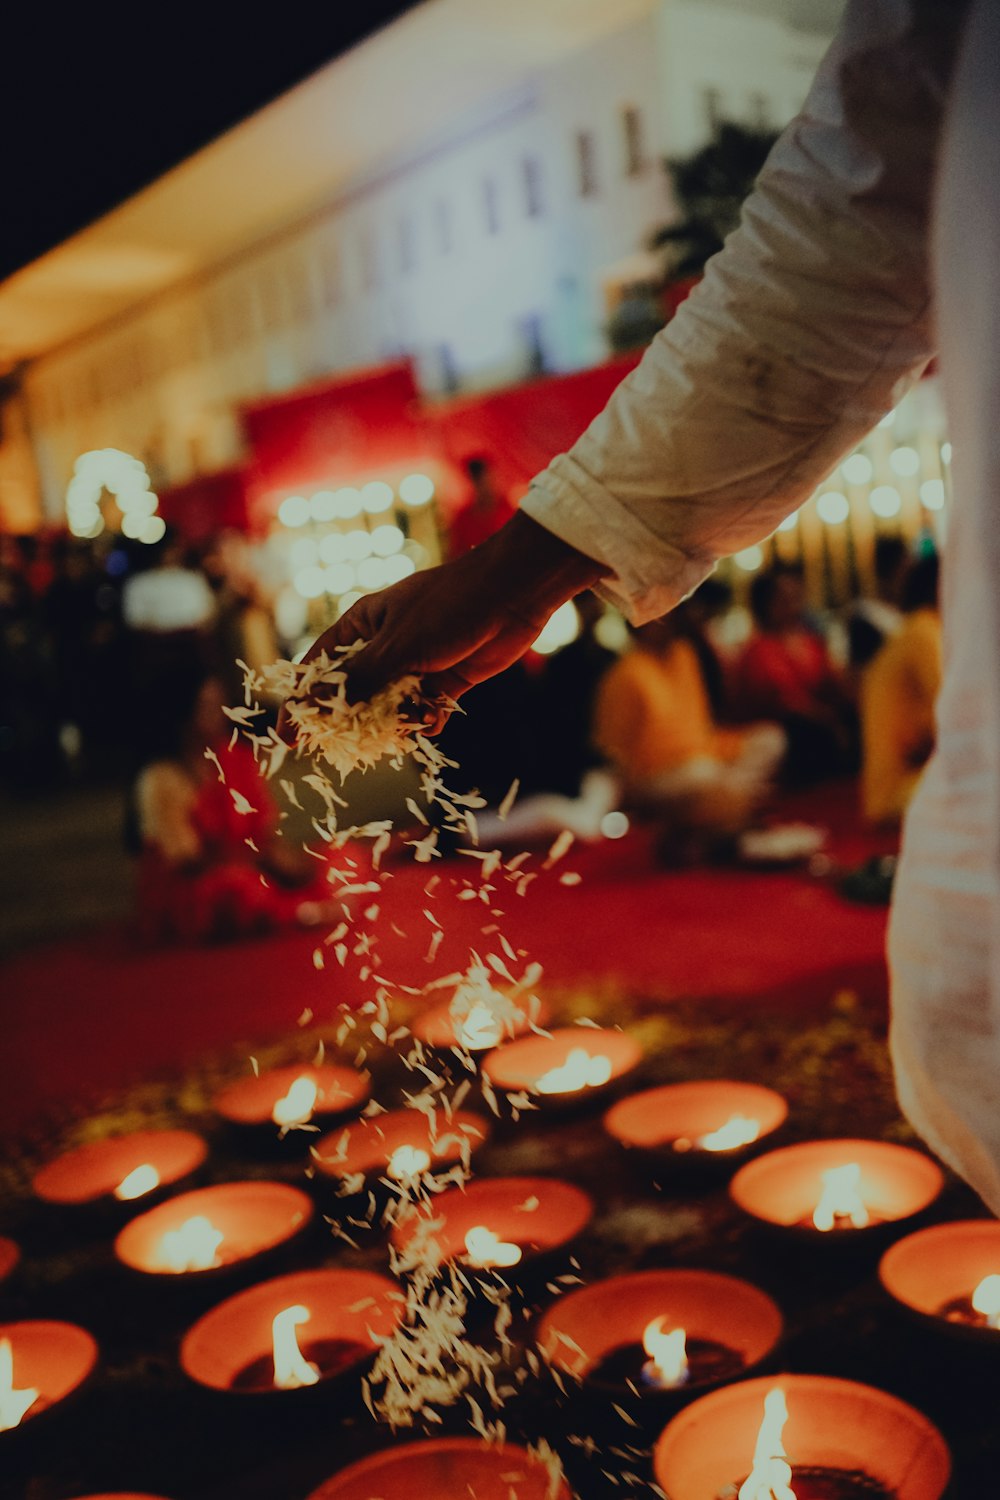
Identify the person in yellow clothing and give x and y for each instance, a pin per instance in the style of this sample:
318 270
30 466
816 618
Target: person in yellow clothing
653 722
898 694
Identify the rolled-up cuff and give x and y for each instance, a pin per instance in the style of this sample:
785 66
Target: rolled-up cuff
646 575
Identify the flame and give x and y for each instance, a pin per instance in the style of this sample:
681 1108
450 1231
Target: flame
192 1247
486 1250
407 1162
298 1104
770 1477
986 1300
291 1370
478 1029
581 1070
739 1130
13 1404
840 1198
139 1181
667 1353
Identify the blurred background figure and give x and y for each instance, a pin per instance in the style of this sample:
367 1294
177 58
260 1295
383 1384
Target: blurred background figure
898 692
484 512
872 620
211 864
785 674
701 783
243 620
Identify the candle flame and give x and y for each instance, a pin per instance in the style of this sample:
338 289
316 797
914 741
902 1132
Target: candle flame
13 1404
298 1104
581 1070
407 1162
478 1029
841 1198
986 1300
667 1353
486 1250
770 1477
739 1130
139 1181
192 1247
291 1369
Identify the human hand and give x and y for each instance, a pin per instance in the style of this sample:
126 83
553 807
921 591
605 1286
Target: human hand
462 622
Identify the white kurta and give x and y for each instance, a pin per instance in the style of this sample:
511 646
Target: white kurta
803 334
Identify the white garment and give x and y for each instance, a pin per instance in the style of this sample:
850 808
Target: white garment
803 333
167 599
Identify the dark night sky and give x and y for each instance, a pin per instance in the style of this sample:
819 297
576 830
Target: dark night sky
94 106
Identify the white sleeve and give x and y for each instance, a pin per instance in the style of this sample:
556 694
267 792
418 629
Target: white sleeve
804 331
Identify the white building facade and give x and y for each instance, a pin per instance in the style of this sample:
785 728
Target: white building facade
480 249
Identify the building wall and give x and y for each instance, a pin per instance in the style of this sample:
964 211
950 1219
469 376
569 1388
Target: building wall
481 254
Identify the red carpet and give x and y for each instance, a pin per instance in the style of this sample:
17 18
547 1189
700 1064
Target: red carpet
91 1015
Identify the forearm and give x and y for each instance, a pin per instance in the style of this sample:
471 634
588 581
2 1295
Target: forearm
803 333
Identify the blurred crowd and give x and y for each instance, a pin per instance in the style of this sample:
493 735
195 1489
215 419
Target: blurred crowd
118 659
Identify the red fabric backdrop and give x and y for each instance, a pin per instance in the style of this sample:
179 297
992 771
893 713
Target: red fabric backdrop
207 505
373 424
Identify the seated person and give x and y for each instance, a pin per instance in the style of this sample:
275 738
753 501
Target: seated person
211 863
898 693
872 620
652 720
785 674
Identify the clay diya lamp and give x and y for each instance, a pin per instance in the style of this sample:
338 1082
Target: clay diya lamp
120 1172
497 1225
837 1191
444 1469
949 1276
394 1150
295 1333
705 1126
41 1365
570 1067
201 1236
804 1435
286 1105
482 1026
660 1336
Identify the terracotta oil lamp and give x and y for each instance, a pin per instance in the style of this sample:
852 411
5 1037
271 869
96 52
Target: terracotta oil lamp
121 1170
398 1147
444 1469
499 1224
949 1275
41 1364
213 1230
293 1100
712 1122
570 1066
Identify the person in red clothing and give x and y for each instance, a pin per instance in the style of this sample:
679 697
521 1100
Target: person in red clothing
485 511
211 862
785 674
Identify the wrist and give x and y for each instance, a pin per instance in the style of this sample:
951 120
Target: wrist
548 570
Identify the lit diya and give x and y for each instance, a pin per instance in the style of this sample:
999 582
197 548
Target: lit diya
444 1469
485 1022
41 1363
659 1332
213 1228
801 1437
710 1120
570 1065
839 1188
293 1097
498 1223
399 1146
294 1332
950 1274
122 1168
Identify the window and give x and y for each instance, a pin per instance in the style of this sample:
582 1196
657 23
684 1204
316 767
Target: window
491 204
443 236
586 164
635 156
407 244
330 275
531 173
